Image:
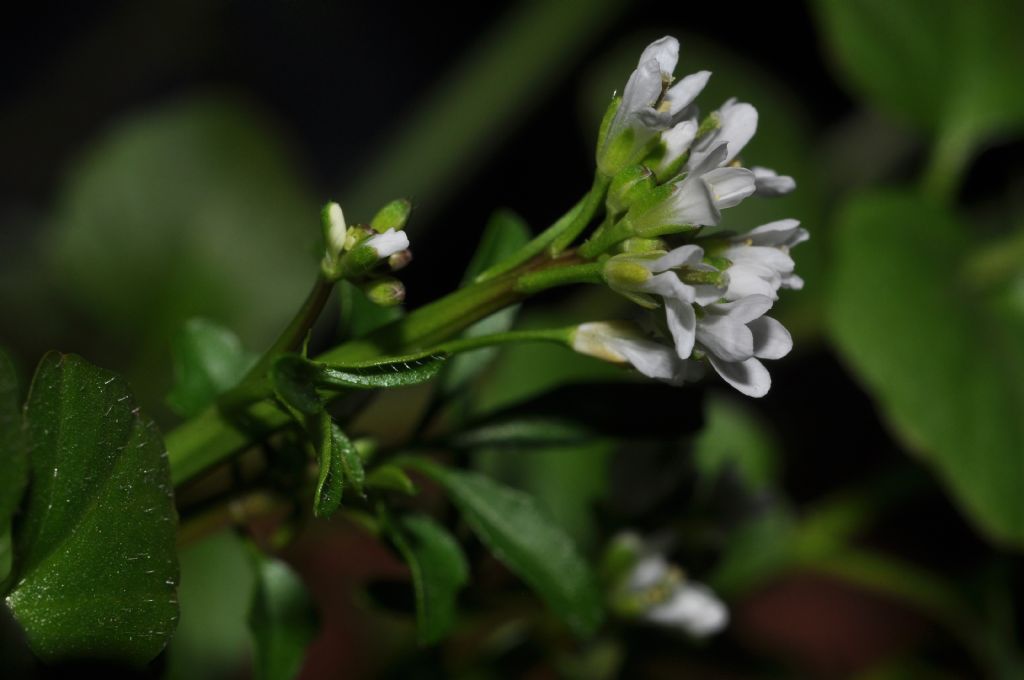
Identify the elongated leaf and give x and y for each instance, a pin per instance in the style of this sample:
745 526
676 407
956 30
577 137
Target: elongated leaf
208 361
13 459
330 483
282 618
293 379
439 571
410 370
522 536
946 369
95 552
519 433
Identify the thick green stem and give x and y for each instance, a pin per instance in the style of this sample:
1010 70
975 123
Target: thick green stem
591 203
535 247
535 282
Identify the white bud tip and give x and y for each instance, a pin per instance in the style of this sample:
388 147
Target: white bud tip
337 229
388 243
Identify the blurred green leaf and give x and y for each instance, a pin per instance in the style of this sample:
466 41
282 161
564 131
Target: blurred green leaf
208 360
504 234
390 478
519 534
217 581
282 618
439 572
13 460
521 433
947 372
951 68
95 552
194 209
734 440
359 316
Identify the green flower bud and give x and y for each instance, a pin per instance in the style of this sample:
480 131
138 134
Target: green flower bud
642 246
628 186
386 292
392 216
624 273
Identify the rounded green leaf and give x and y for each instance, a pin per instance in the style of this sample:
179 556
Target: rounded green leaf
95 560
946 369
282 618
208 361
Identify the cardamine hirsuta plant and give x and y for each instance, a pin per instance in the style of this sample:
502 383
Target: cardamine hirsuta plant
87 499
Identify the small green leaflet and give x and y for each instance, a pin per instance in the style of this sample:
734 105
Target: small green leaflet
208 361
96 567
411 370
439 572
525 539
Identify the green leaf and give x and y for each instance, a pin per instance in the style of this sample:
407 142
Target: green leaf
733 438
282 618
13 459
208 361
390 478
946 369
339 463
947 66
411 370
525 539
360 316
521 433
95 550
439 572
504 234
293 379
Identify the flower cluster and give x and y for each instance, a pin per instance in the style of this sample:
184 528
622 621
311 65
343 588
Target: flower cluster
671 176
358 253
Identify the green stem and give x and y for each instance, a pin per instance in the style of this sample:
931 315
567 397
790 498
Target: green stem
946 165
535 282
557 335
591 203
212 437
535 247
253 386
604 238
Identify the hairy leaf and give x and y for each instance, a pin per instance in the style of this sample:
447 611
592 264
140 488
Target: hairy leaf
95 553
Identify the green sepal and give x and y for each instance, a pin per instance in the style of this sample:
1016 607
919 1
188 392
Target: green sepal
392 216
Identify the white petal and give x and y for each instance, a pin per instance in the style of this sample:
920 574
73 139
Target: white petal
792 282
648 572
682 323
770 183
668 286
642 91
690 203
748 280
663 50
677 141
771 339
706 294
650 358
388 243
701 161
729 186
693 609
749 377
765 256
683 255
725 337
682 94
738 123
780 233
743 310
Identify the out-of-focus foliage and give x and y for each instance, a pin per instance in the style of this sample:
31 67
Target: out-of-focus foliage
208 360
282 617
932 348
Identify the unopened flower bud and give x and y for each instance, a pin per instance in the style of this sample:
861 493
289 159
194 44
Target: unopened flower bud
642 246
625 273
332 219
400 259
629 185
385 292
392 216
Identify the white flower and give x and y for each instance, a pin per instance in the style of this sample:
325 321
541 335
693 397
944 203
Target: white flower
677 141
688 606
771 183
659 277
699 197
623 343
735 335
647 107
387 243
737 123
761 263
